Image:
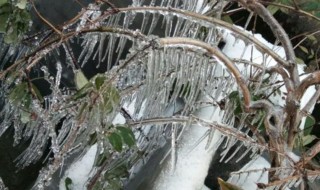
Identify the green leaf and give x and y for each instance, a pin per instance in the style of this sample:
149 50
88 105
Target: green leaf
68 183
99 80
127 135
3 22
100 159
18 93
22 4
304 49
92 138
2 2
227 18
273 9
227 186
308 139
310 6
80 79
116 141
82 108
12 35
309 123
37 92
299 61
82 92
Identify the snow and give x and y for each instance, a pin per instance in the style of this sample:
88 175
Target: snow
192 164
248 182
80 170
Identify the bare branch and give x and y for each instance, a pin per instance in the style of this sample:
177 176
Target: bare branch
278 31
312 79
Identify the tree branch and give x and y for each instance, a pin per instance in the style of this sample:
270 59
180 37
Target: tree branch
215 52
311 79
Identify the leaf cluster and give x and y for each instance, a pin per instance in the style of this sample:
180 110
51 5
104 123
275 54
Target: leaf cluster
15 20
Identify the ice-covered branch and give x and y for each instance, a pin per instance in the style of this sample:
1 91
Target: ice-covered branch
217 53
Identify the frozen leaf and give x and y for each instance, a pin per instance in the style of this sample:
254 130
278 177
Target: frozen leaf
273 9
17 94
36 92
299 61
80 79
127 135
11 35
304 49
68 183
308 139
100 159
116 141
83 91
227 186
310 121
22 4
25 117
99 80
92 138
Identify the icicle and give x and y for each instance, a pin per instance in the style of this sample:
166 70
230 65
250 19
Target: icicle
154 22
102 38
128 19
145 21
111 47
243 155
173 147
234 153
168 28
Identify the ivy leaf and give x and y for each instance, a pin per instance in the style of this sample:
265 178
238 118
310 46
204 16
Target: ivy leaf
68 183
127 135
80 79
116 141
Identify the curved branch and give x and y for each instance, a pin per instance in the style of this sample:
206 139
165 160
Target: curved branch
278 31
211 20
312 79
215 52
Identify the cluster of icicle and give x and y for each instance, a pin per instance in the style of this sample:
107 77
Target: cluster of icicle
150 78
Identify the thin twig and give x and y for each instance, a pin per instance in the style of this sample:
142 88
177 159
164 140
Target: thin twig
45 20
